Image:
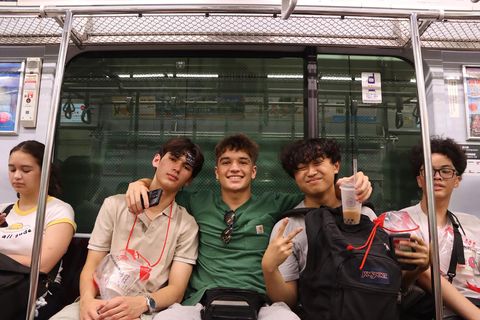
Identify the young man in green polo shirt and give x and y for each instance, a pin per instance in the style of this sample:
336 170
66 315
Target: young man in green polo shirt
234 228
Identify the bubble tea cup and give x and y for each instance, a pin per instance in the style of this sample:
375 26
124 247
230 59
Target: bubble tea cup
351 208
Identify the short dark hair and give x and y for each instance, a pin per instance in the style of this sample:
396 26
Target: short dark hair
445 146
36 150
184 147
305 151
237 142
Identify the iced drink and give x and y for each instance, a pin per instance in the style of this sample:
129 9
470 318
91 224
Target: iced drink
351 215
351 208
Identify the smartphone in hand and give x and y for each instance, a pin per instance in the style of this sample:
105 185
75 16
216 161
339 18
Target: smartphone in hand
396 240
153 198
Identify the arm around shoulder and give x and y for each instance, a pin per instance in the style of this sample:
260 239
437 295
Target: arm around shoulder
135 192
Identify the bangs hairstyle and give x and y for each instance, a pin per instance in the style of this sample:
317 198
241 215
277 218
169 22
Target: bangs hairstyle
447 147
238 142
306 151
36 150
184 147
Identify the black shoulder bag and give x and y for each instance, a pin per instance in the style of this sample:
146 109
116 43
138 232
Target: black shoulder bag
15 284
458 255
231 303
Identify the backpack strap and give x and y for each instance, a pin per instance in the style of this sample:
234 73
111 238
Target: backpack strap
326 220
6 211
295 212
304 211
368 204
458 256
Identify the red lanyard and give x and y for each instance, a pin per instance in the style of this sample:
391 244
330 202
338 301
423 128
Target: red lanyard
135 253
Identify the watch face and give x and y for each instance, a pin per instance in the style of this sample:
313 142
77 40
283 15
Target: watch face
151 304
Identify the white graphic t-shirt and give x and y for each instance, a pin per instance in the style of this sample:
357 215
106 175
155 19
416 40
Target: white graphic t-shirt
469 272
17 237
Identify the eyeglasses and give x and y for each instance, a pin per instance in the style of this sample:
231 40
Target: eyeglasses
445 173
229 218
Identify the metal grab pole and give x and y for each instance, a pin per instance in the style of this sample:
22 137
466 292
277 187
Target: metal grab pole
310 96
427 155
47 159
287 8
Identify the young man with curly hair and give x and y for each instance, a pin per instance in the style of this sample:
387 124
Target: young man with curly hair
448 163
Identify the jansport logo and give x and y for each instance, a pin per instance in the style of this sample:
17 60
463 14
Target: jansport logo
375 277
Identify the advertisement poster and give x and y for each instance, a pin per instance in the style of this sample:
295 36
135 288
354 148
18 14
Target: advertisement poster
371 87
473 159
10 88
77 113
471 80
122 106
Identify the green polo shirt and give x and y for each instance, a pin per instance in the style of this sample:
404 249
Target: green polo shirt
238 263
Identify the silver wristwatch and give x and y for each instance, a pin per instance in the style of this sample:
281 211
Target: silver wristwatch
151 304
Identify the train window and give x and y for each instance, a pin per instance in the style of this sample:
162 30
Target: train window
116 109
381 134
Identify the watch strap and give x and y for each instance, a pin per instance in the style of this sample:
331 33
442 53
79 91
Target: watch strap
151 304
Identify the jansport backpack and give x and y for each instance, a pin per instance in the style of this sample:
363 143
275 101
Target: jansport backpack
347 276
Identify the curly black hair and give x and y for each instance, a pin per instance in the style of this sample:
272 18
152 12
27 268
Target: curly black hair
445 146
305 151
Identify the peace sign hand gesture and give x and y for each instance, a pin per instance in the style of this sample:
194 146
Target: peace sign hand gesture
280 247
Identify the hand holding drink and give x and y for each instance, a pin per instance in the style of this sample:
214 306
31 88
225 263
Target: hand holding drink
351 208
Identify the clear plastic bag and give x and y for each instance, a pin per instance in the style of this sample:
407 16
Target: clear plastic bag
121 274
399 222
